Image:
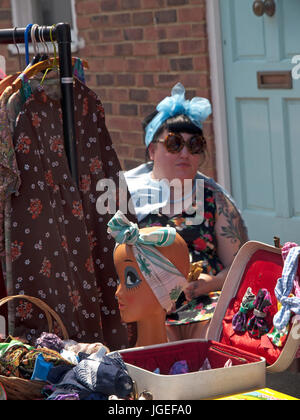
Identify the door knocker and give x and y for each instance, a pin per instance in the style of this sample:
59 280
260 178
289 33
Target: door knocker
258 8
267 7
270 7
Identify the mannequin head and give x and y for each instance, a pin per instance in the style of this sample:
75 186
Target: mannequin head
137 299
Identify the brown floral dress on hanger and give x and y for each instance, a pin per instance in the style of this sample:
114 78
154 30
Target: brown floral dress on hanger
61 252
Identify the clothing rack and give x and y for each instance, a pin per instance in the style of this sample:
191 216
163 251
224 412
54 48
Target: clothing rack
61 33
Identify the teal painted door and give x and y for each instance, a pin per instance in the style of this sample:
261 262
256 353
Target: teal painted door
263 124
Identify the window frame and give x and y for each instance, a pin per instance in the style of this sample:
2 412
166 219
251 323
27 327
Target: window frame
22 12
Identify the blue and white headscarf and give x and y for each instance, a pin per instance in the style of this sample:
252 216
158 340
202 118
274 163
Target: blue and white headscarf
198 110
163 277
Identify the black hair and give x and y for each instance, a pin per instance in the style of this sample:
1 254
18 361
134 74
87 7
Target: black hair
178 124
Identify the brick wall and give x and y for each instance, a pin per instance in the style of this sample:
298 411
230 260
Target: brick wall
137 50
6 22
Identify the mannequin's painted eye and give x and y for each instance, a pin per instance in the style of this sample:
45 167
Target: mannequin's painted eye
131 278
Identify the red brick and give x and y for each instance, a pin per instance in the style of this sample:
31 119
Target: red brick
128 109
93 35
142 18
190 80
124 124
144 48
136 65
133 34
193 46
139 153
201 63
100 20
170 47
133 138
117 94
198 2
121 19
125 79
110 5
123 50
95 64
88 7
182 64
103 50
165 16
158 64
181 31
115 64
112 35
152 4
131 4
105 79
115 135
157 95
130 164
5 23
5 15
5 4
153 33
148 80
108 108
138 95
122 149
83 22
147 109
168 78
193 14
199 30
177 2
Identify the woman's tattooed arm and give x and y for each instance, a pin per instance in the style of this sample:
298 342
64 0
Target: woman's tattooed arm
230 228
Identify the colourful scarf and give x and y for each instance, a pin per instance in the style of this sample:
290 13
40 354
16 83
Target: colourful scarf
163 277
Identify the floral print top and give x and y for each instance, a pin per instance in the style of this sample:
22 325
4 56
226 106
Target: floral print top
201 239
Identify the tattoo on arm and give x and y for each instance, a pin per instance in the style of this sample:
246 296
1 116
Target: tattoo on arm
233 228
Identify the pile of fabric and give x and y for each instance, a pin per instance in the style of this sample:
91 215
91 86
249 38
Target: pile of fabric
70 370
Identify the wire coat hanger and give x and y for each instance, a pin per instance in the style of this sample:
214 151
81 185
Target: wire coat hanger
36 50
46 54
16 45
54 64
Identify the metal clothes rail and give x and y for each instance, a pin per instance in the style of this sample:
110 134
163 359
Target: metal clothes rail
61 33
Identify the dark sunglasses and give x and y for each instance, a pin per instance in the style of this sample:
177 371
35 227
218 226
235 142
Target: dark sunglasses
174 143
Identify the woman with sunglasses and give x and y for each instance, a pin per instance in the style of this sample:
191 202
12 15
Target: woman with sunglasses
169 190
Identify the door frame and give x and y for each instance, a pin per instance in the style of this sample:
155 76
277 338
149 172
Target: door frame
215 45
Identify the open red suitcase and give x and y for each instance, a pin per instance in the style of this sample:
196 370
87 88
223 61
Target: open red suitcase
257 266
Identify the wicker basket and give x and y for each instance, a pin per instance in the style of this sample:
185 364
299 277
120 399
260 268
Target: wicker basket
24 389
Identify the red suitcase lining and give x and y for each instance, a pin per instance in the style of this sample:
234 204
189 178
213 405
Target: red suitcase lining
262 271
194 353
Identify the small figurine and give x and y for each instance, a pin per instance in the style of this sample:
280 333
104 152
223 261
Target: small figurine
152 266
